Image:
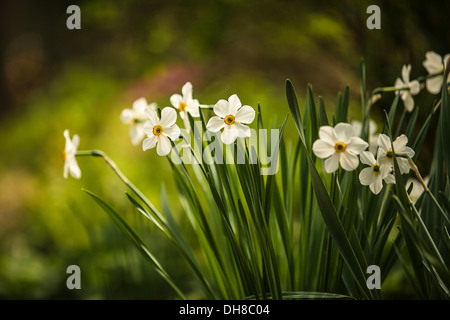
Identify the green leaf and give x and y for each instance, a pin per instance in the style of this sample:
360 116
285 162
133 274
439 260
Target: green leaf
129 232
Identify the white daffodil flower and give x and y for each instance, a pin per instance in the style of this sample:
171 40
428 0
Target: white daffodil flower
409 88
159 131
374 175
433 64
386 155
373 137
340 146
230 117
70 163
186 104
135 117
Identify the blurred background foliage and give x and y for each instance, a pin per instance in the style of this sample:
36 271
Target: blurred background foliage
53 78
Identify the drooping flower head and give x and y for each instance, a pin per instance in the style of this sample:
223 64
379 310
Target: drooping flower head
373 175
185 104
70 163
433 64
159 131
386 155
410 88
231 116
339 145
135 117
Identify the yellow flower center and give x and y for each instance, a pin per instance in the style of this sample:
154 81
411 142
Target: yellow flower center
182 106
157 130
64 155
340 147
229 120
376 168
390 155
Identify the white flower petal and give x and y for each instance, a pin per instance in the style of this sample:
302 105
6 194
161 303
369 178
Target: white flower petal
172 132
215 124
376 186
74 169
399 84
384 142
187 92
367 158
126 116
164 146
175 100
66 169
234 104
328 134
152 116
187 124
349 161
245 114
332 163
168 117
344 132
384 171
229 134
390 179
149 143
400 143
403 165
221 108
140 104
148 127
406 70
434 84
409 102
357 145
242 131
322 149
136 134
366 176
433 62
414 86
75 141
193 108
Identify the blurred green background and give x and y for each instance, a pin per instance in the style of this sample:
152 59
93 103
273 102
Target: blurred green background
53 79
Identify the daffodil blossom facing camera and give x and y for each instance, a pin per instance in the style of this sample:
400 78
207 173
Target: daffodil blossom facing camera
339 145
69 152
231 116
159 131
374 175
386 154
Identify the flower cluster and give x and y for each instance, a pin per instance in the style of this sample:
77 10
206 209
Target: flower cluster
435 66
231 117
341 146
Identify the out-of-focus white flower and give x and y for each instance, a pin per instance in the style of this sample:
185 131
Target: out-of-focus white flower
70 163
417 189
135 117
230 117
373 137
159 131
340 146
373 175
433 64
386 155
186 104
410 88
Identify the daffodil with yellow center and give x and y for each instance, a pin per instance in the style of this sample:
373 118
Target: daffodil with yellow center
339 146
160 132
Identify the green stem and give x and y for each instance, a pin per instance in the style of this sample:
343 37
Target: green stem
115 168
